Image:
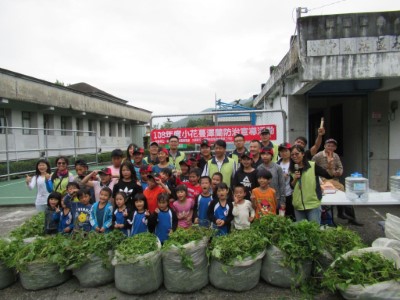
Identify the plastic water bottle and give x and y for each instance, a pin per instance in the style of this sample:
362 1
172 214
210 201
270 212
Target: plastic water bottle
357 187
395 186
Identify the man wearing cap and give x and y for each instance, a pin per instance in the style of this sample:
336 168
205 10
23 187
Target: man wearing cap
278 179
175 155
221 163
205 151
240 149
321 159
138 160
266 143
152 158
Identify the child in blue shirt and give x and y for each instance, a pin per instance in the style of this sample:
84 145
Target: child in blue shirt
81 210
140 215
202 203
102 211
220 210
63 217
164 220
120 215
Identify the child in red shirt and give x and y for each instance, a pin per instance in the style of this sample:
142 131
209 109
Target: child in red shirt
193 186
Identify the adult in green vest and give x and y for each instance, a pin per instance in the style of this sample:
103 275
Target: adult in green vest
175 156
152 158
220 163
60 177
266 143
240 149
307 192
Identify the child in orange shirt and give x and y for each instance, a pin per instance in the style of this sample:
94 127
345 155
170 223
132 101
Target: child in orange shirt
154 188
264 197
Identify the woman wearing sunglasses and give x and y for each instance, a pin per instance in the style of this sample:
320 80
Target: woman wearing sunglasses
60 177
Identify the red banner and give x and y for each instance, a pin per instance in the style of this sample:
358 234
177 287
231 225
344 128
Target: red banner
226 133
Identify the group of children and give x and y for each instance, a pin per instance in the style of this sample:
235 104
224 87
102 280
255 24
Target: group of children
105 200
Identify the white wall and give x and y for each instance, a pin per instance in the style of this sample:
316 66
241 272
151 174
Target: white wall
277 103
60 144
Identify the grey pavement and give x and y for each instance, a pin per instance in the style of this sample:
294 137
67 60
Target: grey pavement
14 216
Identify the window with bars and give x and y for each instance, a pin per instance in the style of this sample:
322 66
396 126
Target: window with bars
119 129
26 122
3 120
92 127
102 128
63 125
127 130
48 123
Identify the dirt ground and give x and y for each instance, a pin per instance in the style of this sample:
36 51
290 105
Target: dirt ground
11 217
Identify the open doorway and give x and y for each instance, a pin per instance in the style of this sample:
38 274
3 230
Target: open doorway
346 121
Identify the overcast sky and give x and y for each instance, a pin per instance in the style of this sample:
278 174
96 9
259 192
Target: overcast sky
166 56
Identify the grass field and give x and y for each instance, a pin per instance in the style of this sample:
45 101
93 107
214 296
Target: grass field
16 192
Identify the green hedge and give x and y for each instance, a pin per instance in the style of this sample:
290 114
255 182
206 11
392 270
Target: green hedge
29 164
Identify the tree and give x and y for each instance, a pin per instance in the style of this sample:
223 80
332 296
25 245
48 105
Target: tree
59 83
200 122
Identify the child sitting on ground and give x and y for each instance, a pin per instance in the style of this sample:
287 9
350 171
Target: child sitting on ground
183 207
264 197
120 215
81 211
164 220
101 213
53 201
140 215
63 217
220 210
243 212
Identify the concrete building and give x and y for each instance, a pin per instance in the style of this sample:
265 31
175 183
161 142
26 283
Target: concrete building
344 68
50 119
